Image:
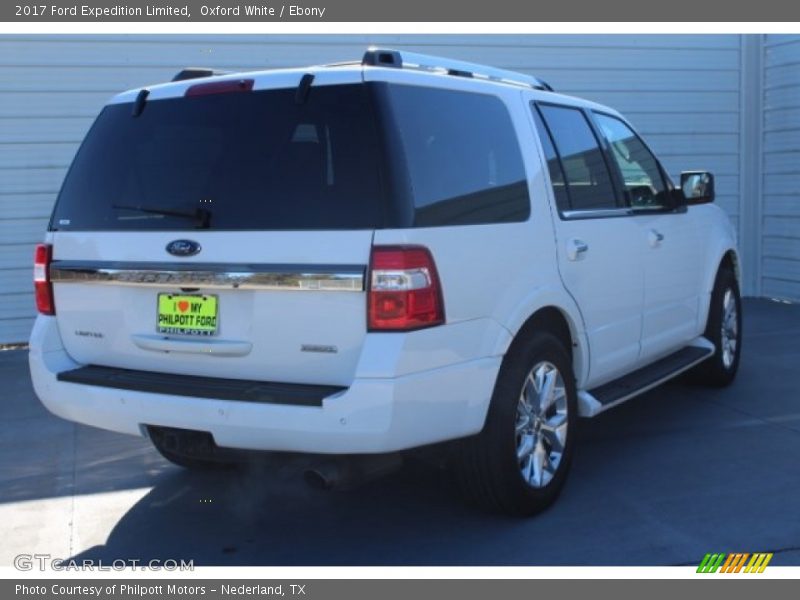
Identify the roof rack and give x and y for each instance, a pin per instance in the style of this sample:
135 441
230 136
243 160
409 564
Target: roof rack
196 73
397 59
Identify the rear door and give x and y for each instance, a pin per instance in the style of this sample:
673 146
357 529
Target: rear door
599 244
223 232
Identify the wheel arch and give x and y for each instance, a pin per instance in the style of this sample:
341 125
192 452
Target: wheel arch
562 321
727 257
731 260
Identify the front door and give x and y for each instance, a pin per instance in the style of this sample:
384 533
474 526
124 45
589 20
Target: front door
673 240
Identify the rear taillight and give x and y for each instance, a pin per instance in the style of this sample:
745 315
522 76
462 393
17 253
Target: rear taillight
41 279
404 289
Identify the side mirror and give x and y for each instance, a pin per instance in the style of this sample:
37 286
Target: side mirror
697 187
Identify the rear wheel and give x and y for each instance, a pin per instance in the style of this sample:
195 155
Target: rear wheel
724 330
519 462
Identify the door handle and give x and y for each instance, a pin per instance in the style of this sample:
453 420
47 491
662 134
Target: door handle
655 237
575 248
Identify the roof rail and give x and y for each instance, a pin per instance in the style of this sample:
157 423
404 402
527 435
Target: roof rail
400 59
196 73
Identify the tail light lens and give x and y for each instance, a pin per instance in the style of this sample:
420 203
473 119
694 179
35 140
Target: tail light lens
404 289
41 279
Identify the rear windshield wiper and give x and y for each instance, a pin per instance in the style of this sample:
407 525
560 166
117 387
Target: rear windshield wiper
201 216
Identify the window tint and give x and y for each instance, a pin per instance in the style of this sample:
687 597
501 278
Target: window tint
463 163
361 156
553 163
644 185
252 160
588 181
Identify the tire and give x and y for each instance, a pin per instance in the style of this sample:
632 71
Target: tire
486 465
724 330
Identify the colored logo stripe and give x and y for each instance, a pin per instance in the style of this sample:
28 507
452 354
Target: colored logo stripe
758 563
734 562
710 563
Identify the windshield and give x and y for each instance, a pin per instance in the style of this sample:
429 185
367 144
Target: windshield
257 160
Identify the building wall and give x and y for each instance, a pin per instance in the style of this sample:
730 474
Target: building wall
780 250
682 92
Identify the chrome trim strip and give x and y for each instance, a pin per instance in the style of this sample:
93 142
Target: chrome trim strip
327 278
199 345
597 213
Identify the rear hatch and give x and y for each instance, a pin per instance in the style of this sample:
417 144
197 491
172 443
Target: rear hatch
223 232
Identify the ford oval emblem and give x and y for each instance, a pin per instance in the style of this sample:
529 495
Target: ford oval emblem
183 248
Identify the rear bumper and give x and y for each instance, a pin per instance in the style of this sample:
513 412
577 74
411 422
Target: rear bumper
373 415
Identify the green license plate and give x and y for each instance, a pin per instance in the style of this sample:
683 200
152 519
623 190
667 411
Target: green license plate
187 314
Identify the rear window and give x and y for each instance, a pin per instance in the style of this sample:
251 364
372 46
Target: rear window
360 156
588 180
256 160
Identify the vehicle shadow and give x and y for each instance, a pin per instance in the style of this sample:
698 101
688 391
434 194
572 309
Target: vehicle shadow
44 457
663 479
264 514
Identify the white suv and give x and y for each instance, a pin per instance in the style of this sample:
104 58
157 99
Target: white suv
361 259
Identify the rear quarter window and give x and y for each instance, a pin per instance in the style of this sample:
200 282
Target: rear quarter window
455 155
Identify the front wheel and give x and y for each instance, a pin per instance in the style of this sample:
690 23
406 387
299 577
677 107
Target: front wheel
519 462
724 330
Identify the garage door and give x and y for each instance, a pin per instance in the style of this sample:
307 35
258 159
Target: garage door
681 91
781 227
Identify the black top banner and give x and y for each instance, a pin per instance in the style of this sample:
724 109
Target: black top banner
688 11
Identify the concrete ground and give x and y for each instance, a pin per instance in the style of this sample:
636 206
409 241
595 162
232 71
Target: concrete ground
661 480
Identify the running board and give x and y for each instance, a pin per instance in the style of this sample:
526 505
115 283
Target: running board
591 403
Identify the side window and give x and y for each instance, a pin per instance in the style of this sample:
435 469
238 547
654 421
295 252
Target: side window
553 164
644 184
588 181
464 163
